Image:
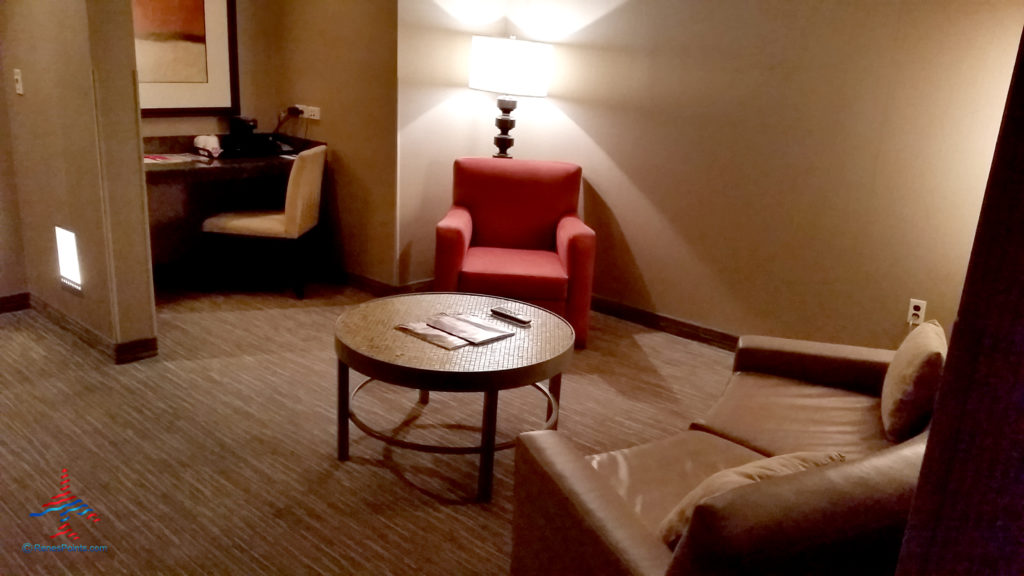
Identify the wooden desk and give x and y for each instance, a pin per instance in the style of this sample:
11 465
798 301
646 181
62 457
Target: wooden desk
218 170
225 168
182 194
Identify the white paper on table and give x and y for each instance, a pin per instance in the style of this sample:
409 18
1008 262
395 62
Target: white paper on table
432 335
468 328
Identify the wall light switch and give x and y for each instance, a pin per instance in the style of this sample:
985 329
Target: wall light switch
19 87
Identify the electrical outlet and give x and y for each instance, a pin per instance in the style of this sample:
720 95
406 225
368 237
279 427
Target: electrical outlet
915 313
19 87
309 112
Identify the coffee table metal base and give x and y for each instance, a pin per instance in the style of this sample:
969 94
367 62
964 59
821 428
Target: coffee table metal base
488 432
550 424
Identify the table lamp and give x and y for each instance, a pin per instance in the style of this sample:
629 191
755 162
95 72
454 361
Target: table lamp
510 68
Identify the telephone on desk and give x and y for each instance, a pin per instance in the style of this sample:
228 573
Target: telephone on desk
253 146
244 142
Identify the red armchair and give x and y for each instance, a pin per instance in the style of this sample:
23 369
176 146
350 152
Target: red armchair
513 231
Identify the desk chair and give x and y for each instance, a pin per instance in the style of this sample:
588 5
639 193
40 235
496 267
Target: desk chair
513 231
301 213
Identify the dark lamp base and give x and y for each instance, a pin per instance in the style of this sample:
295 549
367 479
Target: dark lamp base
505 123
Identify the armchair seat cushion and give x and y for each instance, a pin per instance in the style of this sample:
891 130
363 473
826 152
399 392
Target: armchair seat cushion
513 273
652 478
777 415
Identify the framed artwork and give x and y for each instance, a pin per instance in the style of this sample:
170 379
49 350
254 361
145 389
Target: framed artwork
186 57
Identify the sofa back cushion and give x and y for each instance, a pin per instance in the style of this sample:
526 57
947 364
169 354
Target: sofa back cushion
675 525
908 392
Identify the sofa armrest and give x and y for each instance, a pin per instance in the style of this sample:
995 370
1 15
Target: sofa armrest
576 244
844 518
568 520
855 368
452 236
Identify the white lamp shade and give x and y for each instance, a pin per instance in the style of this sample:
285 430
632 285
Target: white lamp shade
509 66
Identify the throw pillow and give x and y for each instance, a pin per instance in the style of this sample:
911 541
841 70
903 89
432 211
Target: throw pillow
675 525
908 392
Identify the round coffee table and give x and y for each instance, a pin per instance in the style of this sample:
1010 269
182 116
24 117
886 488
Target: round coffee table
366 340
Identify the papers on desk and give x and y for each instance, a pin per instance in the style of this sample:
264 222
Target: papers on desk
452 331
170 158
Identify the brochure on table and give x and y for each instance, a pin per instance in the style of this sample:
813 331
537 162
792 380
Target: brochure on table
453 331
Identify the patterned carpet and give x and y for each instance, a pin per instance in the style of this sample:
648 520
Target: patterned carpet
218 455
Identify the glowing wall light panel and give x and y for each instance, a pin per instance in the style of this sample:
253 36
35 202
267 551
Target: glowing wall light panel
67 259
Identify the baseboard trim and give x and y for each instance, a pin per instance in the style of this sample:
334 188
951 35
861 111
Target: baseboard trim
133 350
645 318
673 326
120 353
15 302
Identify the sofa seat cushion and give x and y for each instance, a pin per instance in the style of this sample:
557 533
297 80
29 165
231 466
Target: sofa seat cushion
775 415
513 273
652 478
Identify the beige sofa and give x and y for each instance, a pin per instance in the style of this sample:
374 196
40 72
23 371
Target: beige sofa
601 514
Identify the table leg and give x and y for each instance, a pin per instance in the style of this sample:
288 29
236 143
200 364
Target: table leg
555 387
424 396
342 411
490 430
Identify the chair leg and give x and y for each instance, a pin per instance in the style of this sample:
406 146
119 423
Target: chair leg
297 255
206 276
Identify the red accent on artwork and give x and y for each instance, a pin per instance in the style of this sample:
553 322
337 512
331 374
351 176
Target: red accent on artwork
186 17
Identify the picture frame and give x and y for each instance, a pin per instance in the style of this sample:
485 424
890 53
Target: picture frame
214 92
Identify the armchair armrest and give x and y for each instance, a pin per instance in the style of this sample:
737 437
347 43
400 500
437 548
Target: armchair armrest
568 520
576 244
452 236
844 518
855 368
575 241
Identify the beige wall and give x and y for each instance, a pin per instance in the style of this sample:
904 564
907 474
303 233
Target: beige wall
12 267
798 168
76 159
122 181
439 119
341 57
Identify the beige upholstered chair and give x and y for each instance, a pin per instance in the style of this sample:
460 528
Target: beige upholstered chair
301 212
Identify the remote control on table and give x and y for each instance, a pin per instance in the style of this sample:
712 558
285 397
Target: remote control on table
507 314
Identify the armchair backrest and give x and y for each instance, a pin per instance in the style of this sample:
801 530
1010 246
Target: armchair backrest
516 203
